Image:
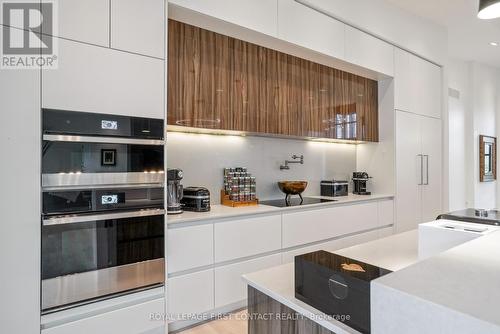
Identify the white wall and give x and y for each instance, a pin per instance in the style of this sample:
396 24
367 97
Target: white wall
476 112
202 158
459 112
485 83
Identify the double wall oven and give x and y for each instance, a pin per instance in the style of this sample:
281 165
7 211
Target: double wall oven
103 217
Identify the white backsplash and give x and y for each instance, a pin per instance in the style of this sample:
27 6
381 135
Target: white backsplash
203 157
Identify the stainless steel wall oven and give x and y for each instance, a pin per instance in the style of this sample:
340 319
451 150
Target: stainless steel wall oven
103 207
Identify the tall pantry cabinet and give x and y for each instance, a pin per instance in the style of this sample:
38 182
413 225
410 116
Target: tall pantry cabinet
418 141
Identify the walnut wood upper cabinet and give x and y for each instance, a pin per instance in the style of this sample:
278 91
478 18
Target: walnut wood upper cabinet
301 25
258 15
220 82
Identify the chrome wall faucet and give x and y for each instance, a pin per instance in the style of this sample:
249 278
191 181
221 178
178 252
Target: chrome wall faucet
296 159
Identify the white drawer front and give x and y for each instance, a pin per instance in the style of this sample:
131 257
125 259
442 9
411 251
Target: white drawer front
190 247
386 212
329 246
246 237
230 287
191 294
129 320
310 226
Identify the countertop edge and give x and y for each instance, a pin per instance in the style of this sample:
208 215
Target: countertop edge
265 209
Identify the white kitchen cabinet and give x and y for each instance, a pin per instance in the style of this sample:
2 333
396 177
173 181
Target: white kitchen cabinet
191 294
314 225
432 173
20 142
246 237
369 52
84 21
230 287
386 212
190 247
385 232
402 80
418 170
137 320
301 25
102 80
417 85
258 15
138 26
330 246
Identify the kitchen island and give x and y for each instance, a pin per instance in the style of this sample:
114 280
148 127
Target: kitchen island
453 292
273 289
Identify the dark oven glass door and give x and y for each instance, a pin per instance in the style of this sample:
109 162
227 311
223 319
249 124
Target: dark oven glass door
87 259
66 163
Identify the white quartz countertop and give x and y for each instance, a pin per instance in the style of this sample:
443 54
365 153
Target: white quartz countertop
394 253
465 279
220 211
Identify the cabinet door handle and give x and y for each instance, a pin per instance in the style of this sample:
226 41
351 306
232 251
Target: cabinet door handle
427 170
421 169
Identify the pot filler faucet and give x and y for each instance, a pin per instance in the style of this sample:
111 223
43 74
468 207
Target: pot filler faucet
296 159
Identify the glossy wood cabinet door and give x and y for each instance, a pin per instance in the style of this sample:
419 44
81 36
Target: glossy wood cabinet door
218 82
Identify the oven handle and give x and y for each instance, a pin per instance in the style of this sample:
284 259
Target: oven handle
104 216
105 140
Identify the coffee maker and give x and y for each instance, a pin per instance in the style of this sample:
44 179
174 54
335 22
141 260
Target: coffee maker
174 191
360 180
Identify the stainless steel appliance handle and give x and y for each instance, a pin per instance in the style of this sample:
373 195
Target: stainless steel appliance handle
108 140
427 169
421 169
104 216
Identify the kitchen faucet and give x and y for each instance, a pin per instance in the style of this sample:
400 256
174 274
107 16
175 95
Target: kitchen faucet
295 160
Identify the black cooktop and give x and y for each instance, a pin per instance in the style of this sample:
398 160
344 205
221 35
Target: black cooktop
487 217
295 201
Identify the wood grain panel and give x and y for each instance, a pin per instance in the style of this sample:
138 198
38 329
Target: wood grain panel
266 315
220 82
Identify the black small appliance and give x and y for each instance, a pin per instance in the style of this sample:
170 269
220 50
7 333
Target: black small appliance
196 199
337 285
333 188
360 180
174 191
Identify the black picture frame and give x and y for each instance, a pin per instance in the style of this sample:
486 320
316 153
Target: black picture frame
108 157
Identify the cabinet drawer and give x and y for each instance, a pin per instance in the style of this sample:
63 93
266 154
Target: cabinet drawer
246 237
330 246
368 51
129 320
311 29
190 247
191 294
230 287
102 80
310 226
386 212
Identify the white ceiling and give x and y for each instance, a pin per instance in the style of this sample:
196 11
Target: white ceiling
468 37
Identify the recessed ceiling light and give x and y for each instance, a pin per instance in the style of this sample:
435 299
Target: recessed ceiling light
494 43
489 9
